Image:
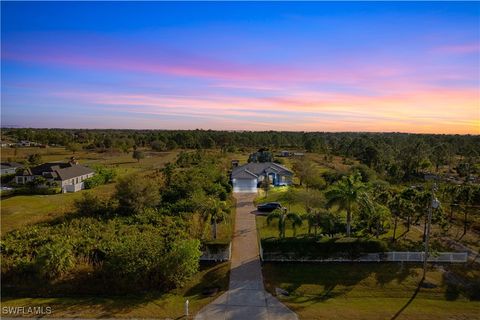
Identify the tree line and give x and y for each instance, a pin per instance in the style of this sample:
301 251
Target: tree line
400 155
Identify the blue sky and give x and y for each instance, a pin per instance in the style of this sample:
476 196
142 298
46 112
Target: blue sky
310 66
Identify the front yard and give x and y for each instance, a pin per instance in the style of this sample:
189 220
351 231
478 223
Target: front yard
367 291
151 305
20 210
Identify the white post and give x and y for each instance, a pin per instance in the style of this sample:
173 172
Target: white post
186 308
433 205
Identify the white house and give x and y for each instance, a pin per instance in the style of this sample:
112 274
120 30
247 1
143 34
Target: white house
69 176
9 167
248 177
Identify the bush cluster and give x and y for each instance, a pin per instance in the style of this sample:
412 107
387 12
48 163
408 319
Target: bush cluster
102 176
313 248
139 239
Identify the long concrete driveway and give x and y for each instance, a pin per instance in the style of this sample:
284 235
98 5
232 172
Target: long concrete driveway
246 298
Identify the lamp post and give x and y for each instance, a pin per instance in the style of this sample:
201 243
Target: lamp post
186 309
433 205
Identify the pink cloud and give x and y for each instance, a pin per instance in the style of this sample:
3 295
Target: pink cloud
435 110
460 48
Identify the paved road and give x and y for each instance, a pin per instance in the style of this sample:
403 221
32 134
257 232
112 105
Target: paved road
246 298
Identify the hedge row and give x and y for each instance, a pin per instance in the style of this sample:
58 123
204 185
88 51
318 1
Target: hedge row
312 248
40 191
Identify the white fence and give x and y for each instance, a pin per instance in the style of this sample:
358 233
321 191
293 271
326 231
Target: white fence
445 257
432 257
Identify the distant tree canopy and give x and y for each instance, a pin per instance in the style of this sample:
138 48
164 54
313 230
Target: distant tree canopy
399 155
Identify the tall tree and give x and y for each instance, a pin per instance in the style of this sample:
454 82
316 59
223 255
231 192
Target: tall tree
216 213
34 159
283 216
266 185
463 197
345 194
138 155
135 194
314 218
400 208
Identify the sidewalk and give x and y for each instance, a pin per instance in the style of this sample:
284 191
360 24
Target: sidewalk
246 297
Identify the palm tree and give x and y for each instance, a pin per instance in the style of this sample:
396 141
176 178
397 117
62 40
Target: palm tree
266 185
314 219
464 195
375 214
212 210
283 217
217 213
400 208
346 193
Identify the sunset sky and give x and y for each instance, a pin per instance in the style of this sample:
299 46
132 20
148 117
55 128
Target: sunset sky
409 67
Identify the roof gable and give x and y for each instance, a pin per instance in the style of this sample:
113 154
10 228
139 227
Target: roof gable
257 169
60 170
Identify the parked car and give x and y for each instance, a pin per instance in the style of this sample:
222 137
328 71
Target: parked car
269 206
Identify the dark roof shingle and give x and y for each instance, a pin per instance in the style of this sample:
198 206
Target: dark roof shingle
255 169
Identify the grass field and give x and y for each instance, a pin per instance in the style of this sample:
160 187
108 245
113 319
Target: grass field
367 291
167 305
23 210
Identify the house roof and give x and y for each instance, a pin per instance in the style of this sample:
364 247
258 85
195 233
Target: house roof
255 169
58 170
244 174
6 165
73 171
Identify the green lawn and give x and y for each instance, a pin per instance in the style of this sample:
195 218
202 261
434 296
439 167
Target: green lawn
18 211
167 305
366 291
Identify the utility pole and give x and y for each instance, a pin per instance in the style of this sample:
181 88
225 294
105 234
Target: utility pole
434 204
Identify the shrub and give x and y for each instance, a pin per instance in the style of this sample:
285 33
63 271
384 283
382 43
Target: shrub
135 194
144 260
182 262
138 155
42 191
102 176
91 205
158 145
322 249
55 259
7 178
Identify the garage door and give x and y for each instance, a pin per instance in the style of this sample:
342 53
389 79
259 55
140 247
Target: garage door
245 185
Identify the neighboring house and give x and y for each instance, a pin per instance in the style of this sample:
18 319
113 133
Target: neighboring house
25 143
9 167
248 177
68 176
5 144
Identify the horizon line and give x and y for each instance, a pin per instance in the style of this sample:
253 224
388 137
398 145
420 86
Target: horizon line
238 130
